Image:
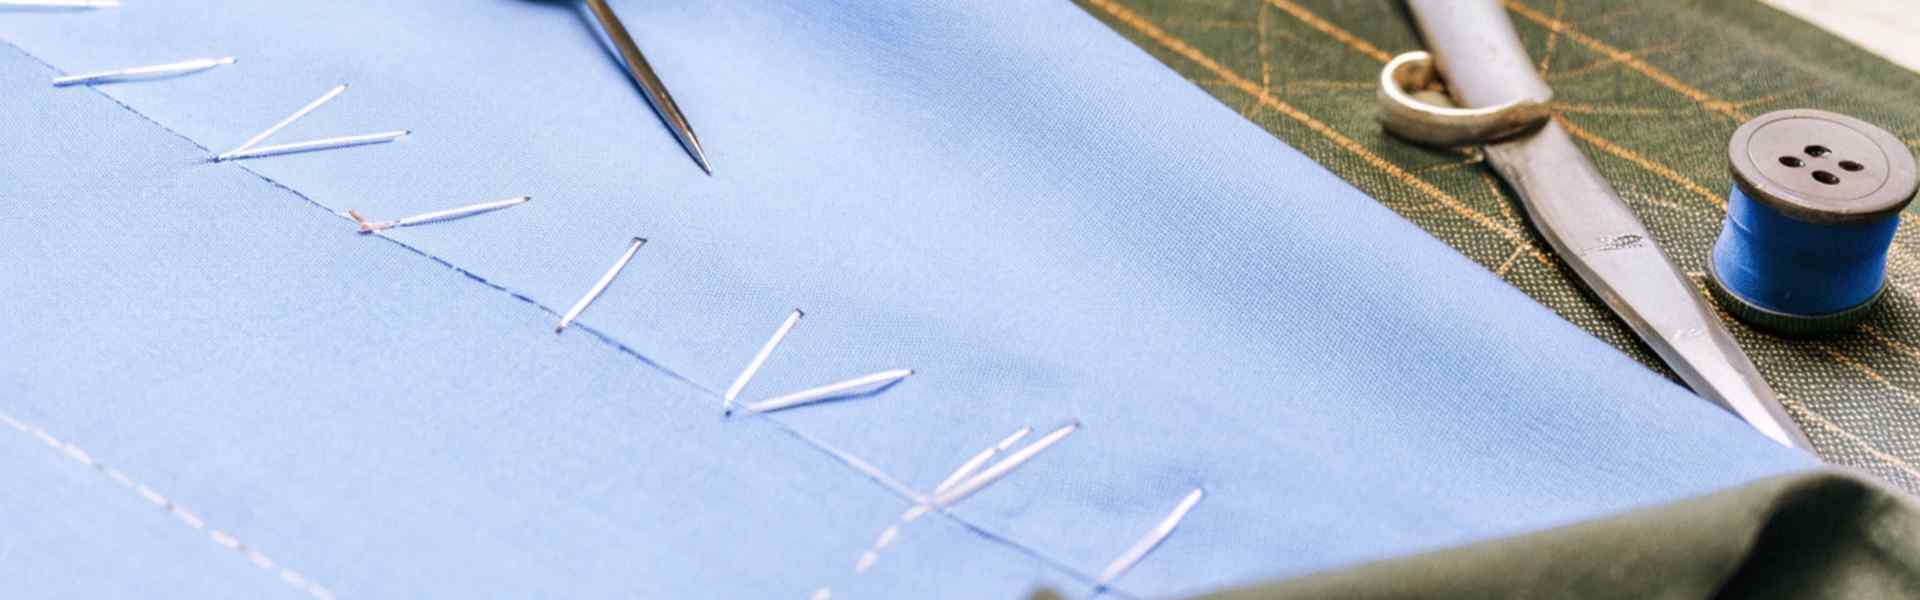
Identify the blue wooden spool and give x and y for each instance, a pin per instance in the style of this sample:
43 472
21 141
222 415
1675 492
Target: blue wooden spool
1815 202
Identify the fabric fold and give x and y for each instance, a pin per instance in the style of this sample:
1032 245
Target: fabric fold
1826 534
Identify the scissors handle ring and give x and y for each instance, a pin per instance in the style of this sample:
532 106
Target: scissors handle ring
1423 122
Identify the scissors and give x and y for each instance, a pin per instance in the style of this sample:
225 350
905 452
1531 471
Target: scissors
1506 108
649 82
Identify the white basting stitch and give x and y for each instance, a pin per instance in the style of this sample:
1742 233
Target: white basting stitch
262 136
185 516
914 514
77 454
323 144
319 592
981 458
151 496
886 537
60 3
759 358
1152 539
809 396
48 439
1013 438
600 286
438 215
224 540
892 532
189 518
1000 469
174 68
821 594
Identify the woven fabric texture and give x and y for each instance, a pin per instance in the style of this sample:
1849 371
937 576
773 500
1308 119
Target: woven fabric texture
1652 90
1043 221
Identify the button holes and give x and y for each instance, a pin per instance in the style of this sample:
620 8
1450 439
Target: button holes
1851 166
1817 151
1826 178
1792 161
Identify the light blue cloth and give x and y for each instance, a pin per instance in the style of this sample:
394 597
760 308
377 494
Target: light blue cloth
1045 223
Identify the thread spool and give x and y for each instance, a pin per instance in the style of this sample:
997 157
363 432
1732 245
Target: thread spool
1815 202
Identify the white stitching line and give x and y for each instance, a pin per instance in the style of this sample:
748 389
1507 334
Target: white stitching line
600 286
759 360
186 517
175 68
920 509
1151 540
438 215
831 390
848 460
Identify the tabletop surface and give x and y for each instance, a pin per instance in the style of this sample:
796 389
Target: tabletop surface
1652 90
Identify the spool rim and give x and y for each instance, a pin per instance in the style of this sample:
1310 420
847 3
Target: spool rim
1789 324
1895 192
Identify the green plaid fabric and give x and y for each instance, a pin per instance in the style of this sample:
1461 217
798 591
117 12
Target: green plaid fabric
1653 89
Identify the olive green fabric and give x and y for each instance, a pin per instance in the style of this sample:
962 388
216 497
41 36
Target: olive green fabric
1813 535
1652 89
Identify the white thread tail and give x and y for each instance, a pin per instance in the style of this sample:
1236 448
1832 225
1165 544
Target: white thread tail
980 458
177 68
438 215
759 358
919 509
262 136
1000 469
331 143
1147 543
599 286
809 396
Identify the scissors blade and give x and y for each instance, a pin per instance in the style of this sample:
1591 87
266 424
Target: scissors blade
649 82
1604 243
1587 223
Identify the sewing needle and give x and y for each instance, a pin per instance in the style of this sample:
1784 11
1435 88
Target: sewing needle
650 85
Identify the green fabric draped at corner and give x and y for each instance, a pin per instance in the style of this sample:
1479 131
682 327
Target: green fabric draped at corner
1827 534
1652 89
1818 535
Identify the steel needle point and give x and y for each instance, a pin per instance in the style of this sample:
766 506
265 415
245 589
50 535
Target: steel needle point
649 82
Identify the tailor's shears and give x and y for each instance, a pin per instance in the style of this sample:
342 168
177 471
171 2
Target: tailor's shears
1504 104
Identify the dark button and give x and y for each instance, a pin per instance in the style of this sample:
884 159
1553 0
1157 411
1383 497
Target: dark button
1822 167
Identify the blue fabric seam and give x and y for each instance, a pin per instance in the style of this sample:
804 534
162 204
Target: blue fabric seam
983 533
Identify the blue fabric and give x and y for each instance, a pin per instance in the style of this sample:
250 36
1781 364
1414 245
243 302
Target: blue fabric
1045 223
1800 268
